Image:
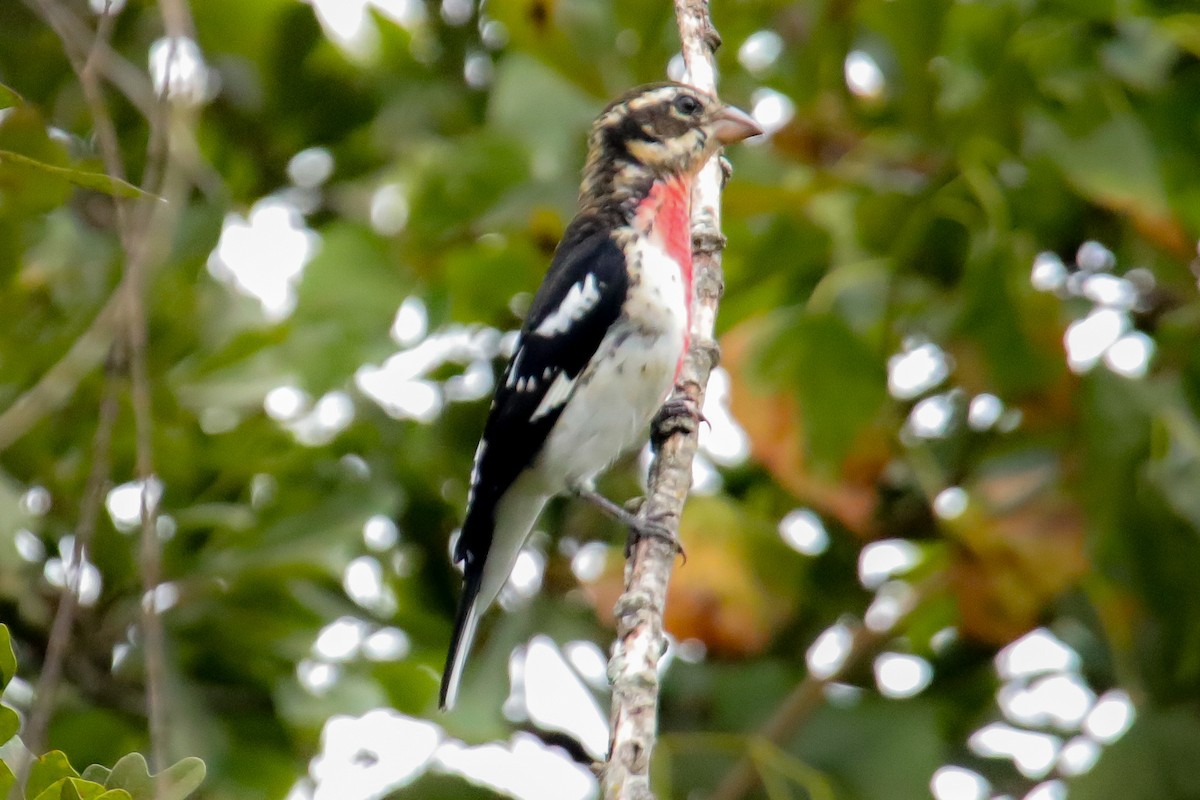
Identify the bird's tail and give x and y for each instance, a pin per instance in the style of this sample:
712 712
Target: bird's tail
465 622
486 572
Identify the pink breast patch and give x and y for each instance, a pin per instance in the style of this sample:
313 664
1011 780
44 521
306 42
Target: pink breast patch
670 203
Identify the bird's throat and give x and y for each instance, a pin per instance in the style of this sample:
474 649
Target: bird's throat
665 216
673 221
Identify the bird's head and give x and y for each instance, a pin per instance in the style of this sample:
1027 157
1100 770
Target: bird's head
656 131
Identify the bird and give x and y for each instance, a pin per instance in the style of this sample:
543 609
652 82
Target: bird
603 340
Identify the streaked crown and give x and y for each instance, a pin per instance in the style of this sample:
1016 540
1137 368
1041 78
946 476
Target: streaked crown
654 131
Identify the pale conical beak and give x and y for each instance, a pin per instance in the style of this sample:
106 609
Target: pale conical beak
732 125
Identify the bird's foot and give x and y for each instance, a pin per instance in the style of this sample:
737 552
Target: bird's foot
680 414
610 509
639 527
643 528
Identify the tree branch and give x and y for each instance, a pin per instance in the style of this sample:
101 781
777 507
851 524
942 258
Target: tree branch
633 668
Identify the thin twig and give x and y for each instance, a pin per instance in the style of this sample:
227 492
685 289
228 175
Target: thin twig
34 735
145 231
54 387
59 382
95 60
162 169
159 167
177 18
88 55
149 554
92 57
78 40
809 694
52 390
639 611
80 49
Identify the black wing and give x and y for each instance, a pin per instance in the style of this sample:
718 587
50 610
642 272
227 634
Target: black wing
578 301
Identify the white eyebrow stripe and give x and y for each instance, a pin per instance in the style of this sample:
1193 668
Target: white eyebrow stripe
555 396
655 97
580 299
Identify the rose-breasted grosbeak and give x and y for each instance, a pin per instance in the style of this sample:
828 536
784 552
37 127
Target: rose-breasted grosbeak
604 338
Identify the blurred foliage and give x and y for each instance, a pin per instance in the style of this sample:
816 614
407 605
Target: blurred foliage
879 215
51 776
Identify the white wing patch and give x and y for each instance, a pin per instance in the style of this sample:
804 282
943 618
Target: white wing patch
479 451
579 300
555 396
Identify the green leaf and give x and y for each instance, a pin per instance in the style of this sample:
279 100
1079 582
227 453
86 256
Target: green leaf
47 771
994 316
351 281
10 97
7 779
97 773
838 380
568 34
1115 165
132 774
23 190
59 790
1142 55
77 789
433 786
1175 467
1184 30
1154 760
10 723
176 782
901 737
8 659
181 779
458 181
536 105
480 280
96 181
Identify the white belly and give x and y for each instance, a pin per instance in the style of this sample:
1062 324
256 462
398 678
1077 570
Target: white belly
618 394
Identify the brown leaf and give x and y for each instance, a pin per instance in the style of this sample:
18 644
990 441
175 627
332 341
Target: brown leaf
774 425
1007 570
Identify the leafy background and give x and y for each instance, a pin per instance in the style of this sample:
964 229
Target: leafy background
959 356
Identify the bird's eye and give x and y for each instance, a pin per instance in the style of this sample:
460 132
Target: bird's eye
687 105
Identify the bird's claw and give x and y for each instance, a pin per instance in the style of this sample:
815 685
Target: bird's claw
641 528
680 414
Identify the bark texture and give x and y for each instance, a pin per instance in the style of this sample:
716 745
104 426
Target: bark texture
633 669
